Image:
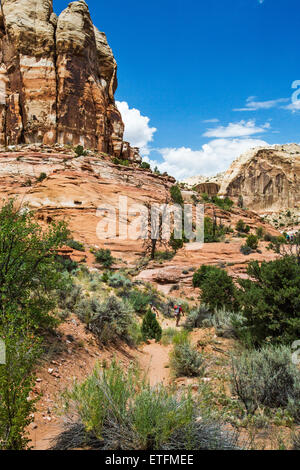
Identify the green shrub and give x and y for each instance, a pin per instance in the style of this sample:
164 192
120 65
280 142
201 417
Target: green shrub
121 161
66 264
75 245
80 152
119 280
42 177
168 335
218 290
252 242
140 301
197 316
201 273
260 233
176 244
111 320
227 324
16 383
225 204
270 300
69 295
116 409
151 329
213 232
164 255
104 257
176 195
267 378
246 250
242 227
29 278
145 166
185 360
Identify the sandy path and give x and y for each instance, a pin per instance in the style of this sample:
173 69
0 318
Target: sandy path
154 357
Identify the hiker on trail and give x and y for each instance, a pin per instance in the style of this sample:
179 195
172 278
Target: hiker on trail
178 312
154 309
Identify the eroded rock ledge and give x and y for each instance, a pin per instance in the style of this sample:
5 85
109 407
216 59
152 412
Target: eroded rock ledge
58 77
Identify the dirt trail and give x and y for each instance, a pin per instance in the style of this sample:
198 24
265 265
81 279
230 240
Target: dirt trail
154 357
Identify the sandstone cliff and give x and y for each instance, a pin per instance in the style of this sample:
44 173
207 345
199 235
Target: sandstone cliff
267 179
58 77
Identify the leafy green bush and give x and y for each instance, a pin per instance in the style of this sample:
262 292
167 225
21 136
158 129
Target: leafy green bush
110 320
75 245
201 273
197 316
29 278
119 280
242 227
213 232
218 290
260 233
145 166
246 250
80 152
151 329
176 195
252 242
69 295
104 257
121 161
270 300
164 255
227 324
16 382
42 177
185 360
268 378
140 301
225 203
66 264
116 409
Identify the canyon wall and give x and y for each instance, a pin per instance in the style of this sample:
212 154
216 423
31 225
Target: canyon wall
58 77
268 179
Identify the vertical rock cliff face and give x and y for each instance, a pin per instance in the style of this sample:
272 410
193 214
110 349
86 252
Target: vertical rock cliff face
58 77
267 179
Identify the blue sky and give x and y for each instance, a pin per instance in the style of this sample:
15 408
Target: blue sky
184 63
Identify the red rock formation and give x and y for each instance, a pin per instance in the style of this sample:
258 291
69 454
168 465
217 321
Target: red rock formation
60 78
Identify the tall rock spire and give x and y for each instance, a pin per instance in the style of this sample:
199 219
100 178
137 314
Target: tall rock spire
60 77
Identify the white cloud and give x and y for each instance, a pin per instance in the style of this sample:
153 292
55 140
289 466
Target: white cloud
253 105
214 157
211 120
238 129
294 106
137 129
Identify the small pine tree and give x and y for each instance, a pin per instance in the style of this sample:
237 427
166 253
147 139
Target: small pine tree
151 329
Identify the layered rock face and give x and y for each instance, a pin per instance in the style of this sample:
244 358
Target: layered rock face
58 77
267 179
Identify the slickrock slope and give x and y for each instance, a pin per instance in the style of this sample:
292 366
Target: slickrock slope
57 77
268 179
76 187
